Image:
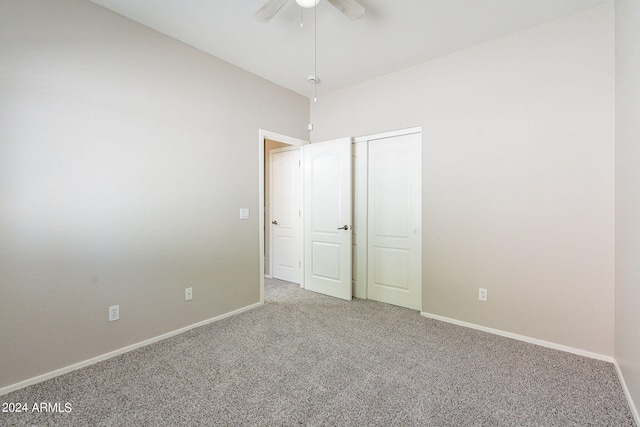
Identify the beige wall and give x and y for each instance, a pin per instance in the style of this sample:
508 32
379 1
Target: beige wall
627 338
125 157
518 157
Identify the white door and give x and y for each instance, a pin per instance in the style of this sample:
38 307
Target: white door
327 217
285 189
394 273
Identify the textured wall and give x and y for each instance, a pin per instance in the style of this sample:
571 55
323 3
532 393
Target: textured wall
125 157
518 156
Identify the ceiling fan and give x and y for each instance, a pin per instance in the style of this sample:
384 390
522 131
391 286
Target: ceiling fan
351 8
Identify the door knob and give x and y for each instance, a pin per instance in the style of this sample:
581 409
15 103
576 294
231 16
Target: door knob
344 227
274 222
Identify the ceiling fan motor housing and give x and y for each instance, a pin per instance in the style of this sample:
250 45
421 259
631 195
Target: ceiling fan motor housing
351 8
307 3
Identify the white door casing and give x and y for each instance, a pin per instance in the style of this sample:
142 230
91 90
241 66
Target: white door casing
263 137
359 235
394 272
285 189
327 211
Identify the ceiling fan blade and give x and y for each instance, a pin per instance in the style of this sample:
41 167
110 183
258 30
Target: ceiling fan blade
268 11
351 8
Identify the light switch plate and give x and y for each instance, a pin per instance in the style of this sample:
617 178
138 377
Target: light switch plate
244 213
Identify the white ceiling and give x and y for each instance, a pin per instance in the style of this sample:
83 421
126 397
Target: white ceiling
390 36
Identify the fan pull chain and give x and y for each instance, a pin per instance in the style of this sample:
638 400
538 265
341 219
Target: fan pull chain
301 17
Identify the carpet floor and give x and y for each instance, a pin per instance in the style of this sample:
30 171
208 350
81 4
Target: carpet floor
308 359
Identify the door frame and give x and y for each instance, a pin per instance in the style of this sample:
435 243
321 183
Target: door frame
361 214
265 134
285 139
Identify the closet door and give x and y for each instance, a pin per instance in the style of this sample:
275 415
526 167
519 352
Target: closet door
394 250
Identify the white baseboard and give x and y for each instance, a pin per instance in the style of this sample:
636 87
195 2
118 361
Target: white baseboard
84 363
521 338
632 406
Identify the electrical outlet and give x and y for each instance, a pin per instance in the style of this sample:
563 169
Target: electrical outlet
482 294
114 313
188 294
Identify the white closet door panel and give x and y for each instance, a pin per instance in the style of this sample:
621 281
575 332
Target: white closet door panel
395 221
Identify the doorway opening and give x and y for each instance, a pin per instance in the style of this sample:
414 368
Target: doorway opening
268 141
